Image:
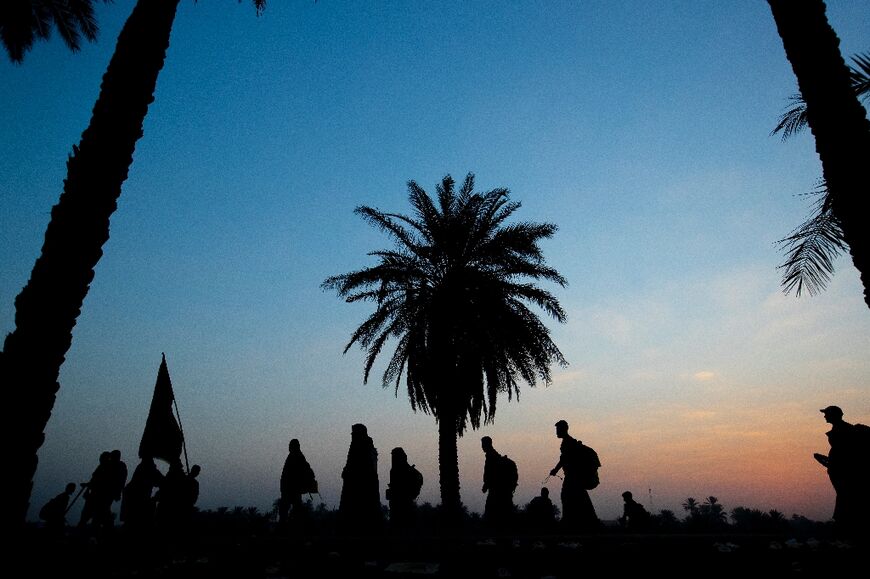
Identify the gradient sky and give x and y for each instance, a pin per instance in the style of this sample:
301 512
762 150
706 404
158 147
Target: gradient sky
640 128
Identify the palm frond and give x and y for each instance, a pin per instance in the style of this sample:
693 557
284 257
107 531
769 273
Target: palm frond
794 119
860 75
387 222
811 249
22 23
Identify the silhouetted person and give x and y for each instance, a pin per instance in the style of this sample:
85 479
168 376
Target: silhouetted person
192 489
297 478
580 465
541 512
499 483
635 517
119 475
138 506
99 494
847 464
54 511
403 490
172 498
360 508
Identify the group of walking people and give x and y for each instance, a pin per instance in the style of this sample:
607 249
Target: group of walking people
579 465
149 499
359 509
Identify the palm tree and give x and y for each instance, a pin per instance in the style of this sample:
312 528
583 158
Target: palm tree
776 516
835 117
24 21
746 519
667 520
812 247
713 510
454 294
691 506
47 308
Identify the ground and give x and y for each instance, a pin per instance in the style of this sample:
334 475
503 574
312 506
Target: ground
273 555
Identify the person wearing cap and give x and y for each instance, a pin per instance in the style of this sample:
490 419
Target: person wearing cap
580 465
847 465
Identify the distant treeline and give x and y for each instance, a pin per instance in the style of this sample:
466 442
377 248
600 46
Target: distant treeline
708 516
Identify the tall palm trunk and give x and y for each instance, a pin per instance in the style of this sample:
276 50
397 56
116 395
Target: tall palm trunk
449 410
47 307
835 116
448 468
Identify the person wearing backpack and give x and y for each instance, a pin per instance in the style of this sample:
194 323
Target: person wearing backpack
499 482
635 518
297 478
848 464
403 490
580 465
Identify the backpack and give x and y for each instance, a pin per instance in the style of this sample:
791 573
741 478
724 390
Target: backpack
862 442
310 483
588 467
508 474
417 479
582 463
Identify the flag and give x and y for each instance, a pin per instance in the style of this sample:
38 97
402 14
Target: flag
162 436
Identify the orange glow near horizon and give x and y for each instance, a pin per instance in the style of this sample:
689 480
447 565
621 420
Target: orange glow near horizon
752 458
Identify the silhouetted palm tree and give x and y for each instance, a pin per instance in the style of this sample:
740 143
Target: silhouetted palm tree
835 117
690 505
668 515
47 308
666 520
22 22
812 247
454 295
747 520
714 511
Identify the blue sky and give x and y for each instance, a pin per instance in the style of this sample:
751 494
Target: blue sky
641 129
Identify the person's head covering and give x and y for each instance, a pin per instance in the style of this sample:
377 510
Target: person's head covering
832 411
359 430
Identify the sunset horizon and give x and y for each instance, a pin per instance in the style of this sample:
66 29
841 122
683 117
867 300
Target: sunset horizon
643 133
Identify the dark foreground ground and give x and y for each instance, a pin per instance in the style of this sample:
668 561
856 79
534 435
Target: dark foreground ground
271 555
